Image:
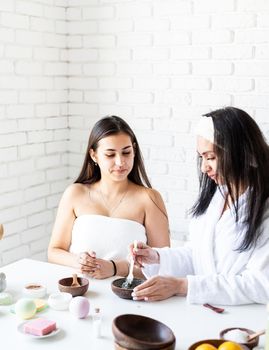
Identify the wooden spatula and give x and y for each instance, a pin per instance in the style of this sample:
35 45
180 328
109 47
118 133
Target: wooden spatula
1 231
75 282
252 336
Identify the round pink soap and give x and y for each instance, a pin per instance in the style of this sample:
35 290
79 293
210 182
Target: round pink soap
79 306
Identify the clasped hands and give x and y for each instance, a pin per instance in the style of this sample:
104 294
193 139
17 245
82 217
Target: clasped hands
157 287
95 267
153 289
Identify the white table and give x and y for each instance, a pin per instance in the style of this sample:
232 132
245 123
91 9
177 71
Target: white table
189 323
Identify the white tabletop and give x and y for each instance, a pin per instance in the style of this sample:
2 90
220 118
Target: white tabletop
189 323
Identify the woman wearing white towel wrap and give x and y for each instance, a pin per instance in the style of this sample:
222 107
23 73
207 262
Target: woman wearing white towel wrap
227 258
110 205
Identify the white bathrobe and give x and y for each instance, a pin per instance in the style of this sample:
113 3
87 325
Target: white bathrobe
216 272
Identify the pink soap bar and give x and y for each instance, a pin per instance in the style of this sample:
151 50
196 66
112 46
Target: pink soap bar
39 326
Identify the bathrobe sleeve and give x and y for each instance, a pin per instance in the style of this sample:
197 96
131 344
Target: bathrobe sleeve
248 286
246 282
175 262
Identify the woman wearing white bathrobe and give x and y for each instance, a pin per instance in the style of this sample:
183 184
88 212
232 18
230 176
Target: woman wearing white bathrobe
227 259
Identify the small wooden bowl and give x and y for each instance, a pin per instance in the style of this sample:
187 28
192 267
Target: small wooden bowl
64 285
141 333
250 344
214 342
125 293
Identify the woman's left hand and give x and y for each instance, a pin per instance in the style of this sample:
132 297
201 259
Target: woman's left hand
160 288
104 269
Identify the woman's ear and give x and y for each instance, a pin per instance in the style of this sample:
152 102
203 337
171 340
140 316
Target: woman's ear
92 155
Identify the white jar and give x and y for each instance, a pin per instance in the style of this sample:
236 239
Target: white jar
59 300
34 290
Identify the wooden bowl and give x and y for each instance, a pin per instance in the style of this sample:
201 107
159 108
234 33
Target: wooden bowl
141 333
125 293
168 347
214 342
250 344
64 285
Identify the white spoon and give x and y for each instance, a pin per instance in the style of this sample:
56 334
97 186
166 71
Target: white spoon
130 277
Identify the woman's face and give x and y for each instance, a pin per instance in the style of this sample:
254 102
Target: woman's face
209 159
115 156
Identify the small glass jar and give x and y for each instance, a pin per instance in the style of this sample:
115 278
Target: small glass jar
97 319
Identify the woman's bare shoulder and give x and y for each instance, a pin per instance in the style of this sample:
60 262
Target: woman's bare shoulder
75 190
148 194
153 194
152 204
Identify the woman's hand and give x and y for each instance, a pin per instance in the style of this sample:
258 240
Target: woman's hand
87 262
143 254
95 267
104 269
160 288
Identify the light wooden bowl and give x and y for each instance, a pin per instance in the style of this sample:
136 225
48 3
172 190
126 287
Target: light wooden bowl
214 342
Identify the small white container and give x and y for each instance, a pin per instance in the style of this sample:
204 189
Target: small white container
34 290
59 300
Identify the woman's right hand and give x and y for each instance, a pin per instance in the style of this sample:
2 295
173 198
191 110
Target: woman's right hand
143 254
87 262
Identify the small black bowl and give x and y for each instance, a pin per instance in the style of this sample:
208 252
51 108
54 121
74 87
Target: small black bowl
122 292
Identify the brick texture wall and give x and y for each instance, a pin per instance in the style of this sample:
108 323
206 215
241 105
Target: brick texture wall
33 123
158 64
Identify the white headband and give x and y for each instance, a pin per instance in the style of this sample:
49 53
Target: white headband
205 128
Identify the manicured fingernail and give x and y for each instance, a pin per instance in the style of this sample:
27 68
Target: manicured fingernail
134 298
133 294
146 298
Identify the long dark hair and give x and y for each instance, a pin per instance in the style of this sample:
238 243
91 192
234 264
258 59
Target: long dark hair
243 159
112 125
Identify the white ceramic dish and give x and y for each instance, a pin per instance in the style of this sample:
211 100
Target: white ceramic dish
59 300
51 334
34 290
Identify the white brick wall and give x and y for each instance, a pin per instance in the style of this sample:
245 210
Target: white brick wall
30 120
158 64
